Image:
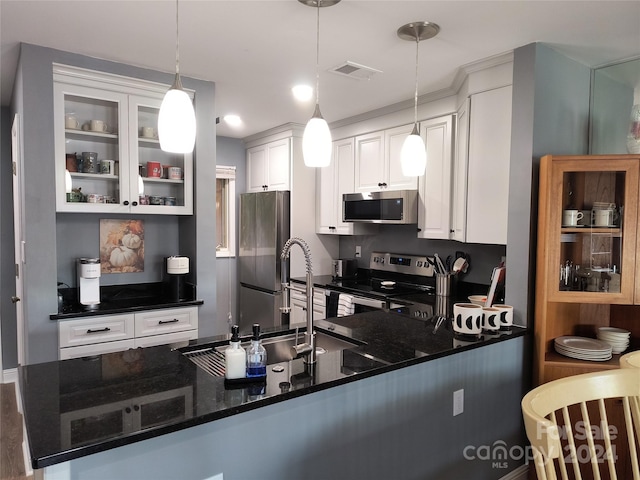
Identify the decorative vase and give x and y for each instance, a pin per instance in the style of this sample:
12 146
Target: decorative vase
633 137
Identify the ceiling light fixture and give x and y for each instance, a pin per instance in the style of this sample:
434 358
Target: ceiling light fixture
233 120
316 139
302 93
177 118
413 156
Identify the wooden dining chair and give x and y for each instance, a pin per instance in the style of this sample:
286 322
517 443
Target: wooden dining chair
585 426
630 360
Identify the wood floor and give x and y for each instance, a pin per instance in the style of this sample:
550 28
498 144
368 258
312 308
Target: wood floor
11 461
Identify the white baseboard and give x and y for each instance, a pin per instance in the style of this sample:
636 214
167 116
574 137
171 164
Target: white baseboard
520 473
10 375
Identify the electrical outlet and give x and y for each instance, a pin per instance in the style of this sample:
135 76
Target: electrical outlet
358 251
458 402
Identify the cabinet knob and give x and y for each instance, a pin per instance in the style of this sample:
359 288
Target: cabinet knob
380 184
135 204
136 407
126 202
128 409
15 299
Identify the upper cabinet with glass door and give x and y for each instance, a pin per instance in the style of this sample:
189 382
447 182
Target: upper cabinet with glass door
108 157
590 209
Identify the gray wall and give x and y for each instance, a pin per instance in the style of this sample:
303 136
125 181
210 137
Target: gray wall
550 115
230 152
7 273
33 99
398 425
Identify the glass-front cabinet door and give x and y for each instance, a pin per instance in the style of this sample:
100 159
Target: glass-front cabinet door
107 154
592 222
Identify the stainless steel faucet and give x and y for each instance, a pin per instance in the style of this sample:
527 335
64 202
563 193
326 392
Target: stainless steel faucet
308 348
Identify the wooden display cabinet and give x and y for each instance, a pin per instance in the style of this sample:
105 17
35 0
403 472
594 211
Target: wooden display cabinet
586 274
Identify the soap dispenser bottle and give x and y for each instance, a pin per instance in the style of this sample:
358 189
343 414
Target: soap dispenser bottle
235 357
256 355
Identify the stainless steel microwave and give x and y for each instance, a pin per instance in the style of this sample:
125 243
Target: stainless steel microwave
395 207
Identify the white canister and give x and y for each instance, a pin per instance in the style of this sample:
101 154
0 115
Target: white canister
467 318
177 265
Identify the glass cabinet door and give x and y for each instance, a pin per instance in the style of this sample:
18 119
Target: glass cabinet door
163 180
90 147
593 216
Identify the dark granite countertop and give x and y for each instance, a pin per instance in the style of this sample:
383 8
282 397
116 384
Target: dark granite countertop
78 407
116 299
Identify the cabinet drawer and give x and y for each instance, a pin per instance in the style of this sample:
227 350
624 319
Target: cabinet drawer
165 339
95 349
91 330
156 322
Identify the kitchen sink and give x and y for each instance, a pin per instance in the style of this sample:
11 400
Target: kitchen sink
278 350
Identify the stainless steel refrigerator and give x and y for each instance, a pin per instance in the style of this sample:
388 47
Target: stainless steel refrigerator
264 229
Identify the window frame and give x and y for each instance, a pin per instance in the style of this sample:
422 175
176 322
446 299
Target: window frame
228 173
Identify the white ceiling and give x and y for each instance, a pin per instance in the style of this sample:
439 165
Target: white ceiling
256 51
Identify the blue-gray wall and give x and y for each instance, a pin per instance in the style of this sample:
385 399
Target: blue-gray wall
47 232
230 152
550 115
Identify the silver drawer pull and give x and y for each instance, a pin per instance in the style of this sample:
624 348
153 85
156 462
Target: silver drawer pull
102 330
162 322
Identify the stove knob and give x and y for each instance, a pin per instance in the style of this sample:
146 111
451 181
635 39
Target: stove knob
418 263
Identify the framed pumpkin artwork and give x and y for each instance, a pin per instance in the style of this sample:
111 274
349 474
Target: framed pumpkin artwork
121 246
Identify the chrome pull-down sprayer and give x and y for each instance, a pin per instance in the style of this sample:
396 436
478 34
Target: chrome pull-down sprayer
308 348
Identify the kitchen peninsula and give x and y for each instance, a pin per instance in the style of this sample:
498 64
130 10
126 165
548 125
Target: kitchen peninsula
380 408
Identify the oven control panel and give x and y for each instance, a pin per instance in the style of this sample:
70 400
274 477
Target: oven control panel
409 264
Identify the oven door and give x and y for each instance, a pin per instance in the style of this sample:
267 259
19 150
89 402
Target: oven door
364 304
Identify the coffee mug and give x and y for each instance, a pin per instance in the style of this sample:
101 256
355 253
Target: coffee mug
71 122
175 173
89 162
107 167
570 218
604 217
506 315
97 126
467 318
490 318
148 132
72 162
154 170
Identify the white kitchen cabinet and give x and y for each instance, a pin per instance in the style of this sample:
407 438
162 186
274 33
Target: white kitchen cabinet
481 173
434 206
125 106
377 161
333 182
269 166
100 334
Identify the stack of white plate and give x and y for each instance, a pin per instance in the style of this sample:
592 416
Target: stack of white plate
583 348
618 338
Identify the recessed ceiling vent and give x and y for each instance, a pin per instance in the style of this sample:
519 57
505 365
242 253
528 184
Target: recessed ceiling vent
355 71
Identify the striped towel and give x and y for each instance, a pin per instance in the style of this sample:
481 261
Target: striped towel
345 305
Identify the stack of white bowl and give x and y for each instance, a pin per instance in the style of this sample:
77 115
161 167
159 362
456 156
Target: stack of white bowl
618 338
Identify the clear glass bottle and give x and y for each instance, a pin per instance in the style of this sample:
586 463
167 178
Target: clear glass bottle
256 355
235 357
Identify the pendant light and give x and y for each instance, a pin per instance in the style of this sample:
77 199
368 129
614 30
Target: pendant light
177 119
316 139
413 156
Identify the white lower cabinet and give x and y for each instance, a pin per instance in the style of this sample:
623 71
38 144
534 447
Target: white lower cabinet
298 317
96 335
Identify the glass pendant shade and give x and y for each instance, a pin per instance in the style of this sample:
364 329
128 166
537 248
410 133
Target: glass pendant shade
177 122
413 156
68 184
316 142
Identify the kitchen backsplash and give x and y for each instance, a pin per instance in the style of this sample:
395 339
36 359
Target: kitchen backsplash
402 239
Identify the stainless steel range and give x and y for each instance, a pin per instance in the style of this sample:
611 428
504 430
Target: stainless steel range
403 283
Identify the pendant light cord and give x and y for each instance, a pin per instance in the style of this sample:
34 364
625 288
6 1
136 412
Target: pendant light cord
177 41
318 53
415 97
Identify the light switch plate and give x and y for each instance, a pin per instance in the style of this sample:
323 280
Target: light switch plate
358 251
